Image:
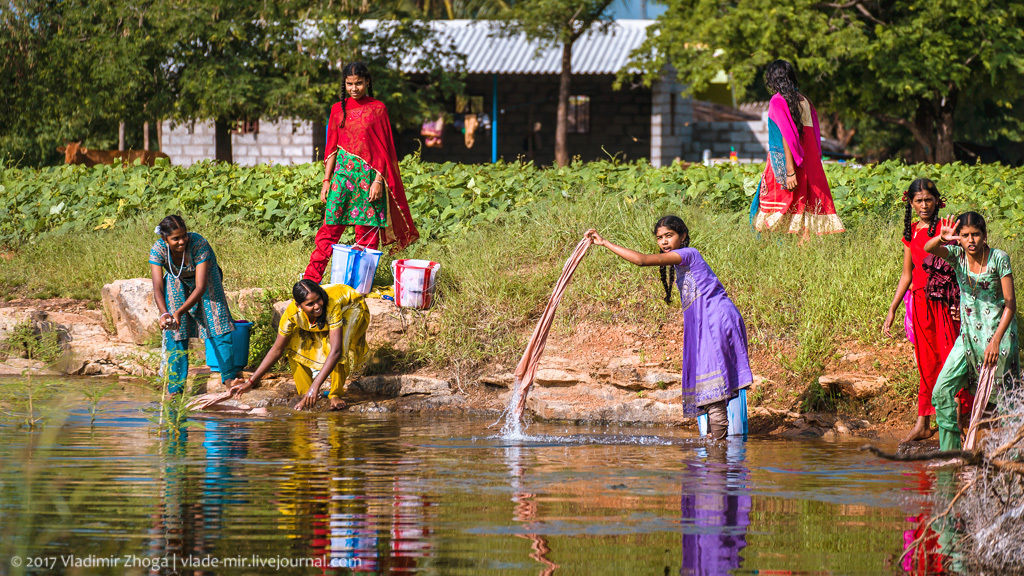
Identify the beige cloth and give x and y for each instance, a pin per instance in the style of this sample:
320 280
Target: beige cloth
985 382
526 371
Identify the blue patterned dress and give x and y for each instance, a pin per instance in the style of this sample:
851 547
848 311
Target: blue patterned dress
715 361
209 316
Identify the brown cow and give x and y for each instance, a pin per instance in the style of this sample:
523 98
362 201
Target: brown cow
74 153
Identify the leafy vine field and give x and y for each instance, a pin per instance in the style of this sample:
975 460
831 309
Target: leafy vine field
282 202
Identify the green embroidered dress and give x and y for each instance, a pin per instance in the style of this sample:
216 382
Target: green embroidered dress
348 200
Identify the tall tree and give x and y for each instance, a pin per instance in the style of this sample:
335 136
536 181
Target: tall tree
909 63
558 22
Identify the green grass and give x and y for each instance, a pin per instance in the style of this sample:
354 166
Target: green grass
496 276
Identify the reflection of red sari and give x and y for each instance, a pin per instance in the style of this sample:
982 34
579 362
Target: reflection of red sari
808 207
367 134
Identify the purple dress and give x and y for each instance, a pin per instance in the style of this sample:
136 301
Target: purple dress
715 363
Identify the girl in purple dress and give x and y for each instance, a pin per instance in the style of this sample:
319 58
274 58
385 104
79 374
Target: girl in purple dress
715 363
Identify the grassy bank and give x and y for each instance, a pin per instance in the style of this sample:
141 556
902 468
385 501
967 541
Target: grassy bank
498 271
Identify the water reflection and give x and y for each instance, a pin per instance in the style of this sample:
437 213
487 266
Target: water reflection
928 546
715 509
525 513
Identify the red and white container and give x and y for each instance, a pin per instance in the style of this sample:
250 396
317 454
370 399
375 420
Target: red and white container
414 282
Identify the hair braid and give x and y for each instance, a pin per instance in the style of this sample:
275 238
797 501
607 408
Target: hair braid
908 229
665 284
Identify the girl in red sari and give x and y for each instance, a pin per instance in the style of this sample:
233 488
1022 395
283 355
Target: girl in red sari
935 329
793 195
362 186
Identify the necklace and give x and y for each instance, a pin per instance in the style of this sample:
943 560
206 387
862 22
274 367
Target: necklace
170 262
982 269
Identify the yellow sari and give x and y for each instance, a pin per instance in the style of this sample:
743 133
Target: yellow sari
309 345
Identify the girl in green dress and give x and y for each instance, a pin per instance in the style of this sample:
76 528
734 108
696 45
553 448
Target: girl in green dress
988 327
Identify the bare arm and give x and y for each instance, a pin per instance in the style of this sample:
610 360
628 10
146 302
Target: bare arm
790 166
1009 310
901 289
328 172
632 256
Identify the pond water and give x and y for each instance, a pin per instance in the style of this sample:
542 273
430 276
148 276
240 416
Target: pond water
346 493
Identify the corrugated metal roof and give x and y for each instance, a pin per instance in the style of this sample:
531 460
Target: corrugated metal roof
486 52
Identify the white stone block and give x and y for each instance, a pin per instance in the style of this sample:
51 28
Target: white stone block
270 150
297 152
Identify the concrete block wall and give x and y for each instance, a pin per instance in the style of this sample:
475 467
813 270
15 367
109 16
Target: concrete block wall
671 120
750 139
280 142
619 121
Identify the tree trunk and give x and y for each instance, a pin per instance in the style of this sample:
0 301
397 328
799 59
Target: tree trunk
562 118
222 131
159 134
944 153
120 136
145 135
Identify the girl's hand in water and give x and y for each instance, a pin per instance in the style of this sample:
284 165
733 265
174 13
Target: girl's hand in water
947 230
596 238
308 399
238 388
991 353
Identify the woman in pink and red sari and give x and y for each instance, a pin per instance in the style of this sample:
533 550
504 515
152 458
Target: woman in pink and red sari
362 186
793 195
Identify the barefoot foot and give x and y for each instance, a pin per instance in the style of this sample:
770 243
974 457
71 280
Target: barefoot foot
338 404
919 433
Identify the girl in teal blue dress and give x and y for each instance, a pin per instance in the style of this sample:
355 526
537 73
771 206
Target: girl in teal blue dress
988 326
191 299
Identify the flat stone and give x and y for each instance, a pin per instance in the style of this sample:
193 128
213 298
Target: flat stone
627 362
555 377
393 386
130 304
505 380
856 385
655 379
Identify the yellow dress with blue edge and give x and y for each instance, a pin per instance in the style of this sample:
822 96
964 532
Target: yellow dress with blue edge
308 345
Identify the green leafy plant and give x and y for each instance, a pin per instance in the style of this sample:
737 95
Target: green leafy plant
26 340
94 397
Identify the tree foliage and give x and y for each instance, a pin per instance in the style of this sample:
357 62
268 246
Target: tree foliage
558 22
908 63
73 69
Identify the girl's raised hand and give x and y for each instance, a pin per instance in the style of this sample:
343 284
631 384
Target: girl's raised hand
595 237
947 230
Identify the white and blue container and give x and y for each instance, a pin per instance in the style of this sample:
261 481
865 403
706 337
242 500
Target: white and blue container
354 266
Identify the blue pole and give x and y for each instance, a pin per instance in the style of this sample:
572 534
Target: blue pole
494 121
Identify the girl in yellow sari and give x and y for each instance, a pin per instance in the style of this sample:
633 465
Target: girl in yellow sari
324 329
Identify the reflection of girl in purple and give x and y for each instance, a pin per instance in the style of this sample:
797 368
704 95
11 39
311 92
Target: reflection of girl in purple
715 512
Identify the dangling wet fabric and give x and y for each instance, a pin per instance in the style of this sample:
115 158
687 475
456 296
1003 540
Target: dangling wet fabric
526 371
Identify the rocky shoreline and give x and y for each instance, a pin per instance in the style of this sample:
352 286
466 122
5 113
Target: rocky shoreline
607 386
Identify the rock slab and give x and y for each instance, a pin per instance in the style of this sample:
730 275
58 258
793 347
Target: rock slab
130 305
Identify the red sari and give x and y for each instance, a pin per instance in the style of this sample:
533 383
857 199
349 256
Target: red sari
367 134
809 207
935 330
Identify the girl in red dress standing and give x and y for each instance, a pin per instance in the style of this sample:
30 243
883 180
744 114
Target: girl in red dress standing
793 195
362 186
935 329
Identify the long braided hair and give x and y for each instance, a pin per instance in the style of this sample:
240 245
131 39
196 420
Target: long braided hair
354 69
921 185
668 273
780 78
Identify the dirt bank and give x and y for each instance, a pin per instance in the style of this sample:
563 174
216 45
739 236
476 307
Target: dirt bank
598 373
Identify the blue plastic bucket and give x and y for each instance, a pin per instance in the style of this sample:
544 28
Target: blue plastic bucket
737 411
354 266
239 347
